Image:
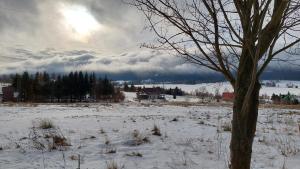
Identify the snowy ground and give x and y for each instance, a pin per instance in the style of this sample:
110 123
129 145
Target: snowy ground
192 137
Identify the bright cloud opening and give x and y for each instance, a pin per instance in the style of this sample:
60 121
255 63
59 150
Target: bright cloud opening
79 22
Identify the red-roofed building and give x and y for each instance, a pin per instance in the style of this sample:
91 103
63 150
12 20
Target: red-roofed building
228 96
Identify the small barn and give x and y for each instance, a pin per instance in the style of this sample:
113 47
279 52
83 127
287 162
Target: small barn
1 95
228 96
1 92
150 94
270 84
9 94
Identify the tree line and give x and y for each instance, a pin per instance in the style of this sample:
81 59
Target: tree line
171 91
73 87
284 99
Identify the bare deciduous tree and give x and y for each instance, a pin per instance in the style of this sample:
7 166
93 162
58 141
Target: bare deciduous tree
238 38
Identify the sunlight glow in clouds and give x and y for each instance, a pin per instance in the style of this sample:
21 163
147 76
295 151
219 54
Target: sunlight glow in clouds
79 22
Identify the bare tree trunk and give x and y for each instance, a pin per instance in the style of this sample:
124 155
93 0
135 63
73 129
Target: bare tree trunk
244 122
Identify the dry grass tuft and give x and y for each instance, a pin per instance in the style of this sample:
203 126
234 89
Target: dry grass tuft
174 120
134 154
226 126
74 157
47 137
60 141
156 131
102 131
111 150
46 124
107 141
137 139
201 122
113 165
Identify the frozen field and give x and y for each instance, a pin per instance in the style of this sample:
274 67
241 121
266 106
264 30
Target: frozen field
191 137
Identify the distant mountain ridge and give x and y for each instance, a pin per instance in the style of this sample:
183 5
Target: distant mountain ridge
189 78
271 74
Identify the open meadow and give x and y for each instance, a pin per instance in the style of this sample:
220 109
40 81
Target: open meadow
133 135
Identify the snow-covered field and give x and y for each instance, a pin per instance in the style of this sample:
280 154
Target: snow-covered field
281 87
191 137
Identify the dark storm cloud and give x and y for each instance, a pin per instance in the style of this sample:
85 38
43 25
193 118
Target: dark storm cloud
80 60
65 61
54 61
76 52
57 67
135 58
26 54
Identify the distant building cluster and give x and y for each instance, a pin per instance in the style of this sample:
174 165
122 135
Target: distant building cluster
274 84
150 93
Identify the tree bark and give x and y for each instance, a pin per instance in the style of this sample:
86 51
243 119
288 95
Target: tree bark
244 122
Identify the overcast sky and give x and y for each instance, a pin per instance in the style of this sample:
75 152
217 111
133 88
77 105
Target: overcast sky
89 35
65 35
